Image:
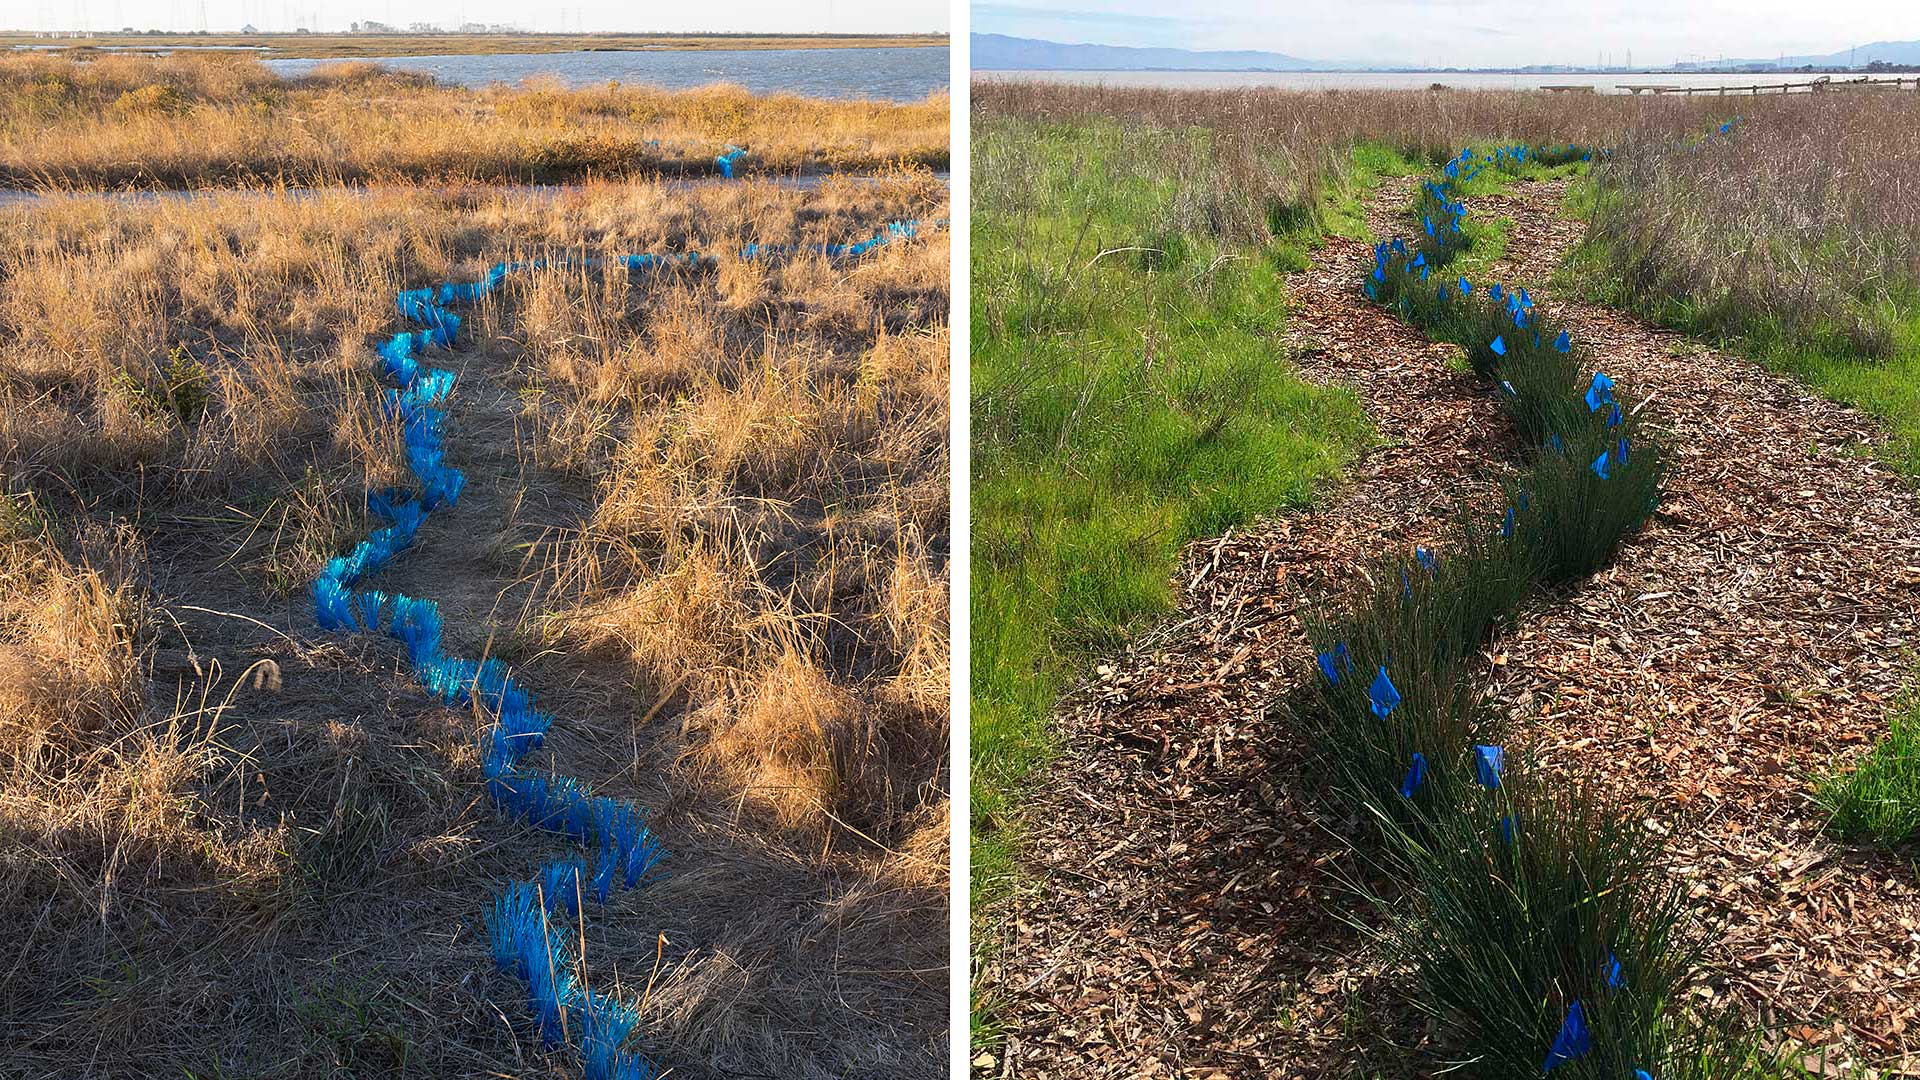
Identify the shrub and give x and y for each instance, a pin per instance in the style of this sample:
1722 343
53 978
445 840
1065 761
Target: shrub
1570 517
152 98
1421 620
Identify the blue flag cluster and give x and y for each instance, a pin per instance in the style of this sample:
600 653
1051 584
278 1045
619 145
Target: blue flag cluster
624 853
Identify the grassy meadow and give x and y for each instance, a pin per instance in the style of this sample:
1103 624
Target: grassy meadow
705 518
1128 397
1797 243
193 120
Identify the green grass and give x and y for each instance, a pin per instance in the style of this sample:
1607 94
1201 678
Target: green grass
1878 801
1131 394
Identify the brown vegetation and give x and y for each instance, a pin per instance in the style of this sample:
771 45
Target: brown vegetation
1805 223
1254 153
705 519
195 120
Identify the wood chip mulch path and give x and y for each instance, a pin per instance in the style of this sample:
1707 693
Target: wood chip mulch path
1181 916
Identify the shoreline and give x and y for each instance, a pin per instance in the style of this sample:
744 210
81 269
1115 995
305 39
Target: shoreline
282 46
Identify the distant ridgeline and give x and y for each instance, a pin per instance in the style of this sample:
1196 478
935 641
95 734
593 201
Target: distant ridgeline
1542 932
524 920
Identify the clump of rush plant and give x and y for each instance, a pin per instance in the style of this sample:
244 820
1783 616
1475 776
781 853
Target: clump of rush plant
1584 495
1535 920
1391 679
1879 799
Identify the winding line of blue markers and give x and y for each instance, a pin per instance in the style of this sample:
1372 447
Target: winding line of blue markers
621 852
1445 238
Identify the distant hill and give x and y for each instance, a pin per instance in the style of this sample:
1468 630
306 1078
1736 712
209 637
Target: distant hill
998 52
1892 52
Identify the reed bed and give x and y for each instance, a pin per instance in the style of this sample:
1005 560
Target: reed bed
1258 160
135 121
1804 229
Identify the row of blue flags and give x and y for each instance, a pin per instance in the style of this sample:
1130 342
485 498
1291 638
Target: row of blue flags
622 850
1440 219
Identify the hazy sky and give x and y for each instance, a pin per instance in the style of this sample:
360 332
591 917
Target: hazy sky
1470 33
792 16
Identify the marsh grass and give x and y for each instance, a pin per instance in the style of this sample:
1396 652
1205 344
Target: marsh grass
1516 903
728 551
208 119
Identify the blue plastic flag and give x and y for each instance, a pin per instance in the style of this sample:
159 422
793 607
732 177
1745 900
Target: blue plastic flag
1554 444
1642 1074
1525 300
1371 294
1620 452
1415 776
1427 559
1499 346
1335 662
1382 695
1600 393
1614 418
1506 525
1420 259
1495 292
1573 1042
1615 977
1466 289
1487 763
1379 274
1600 465
1506 828
1563 342
1428 222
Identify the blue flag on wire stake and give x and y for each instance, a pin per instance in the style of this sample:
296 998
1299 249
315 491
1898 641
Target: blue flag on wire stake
1574 1041
1487 763
1499 346
1600 393
1335 663
1415 776
1382 695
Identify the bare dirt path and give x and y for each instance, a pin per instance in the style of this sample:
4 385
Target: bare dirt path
1180 919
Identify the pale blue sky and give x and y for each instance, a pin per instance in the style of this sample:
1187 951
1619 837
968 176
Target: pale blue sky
1468 33
787 16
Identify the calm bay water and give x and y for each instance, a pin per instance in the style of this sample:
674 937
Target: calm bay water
887 74
1384 80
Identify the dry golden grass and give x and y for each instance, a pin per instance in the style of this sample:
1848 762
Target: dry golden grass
208 119
706 518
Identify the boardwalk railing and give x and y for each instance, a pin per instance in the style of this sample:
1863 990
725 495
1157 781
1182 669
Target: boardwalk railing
1815 86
